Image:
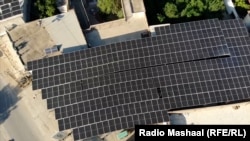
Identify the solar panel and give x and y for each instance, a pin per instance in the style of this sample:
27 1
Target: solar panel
197 77
93 94
120 46
233 28
9 8
177 47
187 26
51 50
109 113
117 124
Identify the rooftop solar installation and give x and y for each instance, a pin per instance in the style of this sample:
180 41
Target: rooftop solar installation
9 8
175 47
112 87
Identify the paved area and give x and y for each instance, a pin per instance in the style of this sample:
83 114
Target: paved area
18 120
7 103
23 114
13 115
23 109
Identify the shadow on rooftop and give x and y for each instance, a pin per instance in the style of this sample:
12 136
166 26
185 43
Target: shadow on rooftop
8 99
58 17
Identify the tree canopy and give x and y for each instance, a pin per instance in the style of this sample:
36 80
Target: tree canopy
242 3
192 8
111 7
171 10
241 6
46 8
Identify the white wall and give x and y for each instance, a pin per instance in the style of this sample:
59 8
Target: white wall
230 8
247 21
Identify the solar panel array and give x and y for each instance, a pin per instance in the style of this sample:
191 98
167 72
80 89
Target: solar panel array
112 87
190 45
9 8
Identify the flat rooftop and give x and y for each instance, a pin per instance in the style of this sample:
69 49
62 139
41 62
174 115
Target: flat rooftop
118 30
137 6
33 38
64 29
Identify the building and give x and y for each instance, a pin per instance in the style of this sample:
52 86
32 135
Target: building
33 40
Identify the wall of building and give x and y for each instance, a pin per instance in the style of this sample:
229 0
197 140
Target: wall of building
231 8
247 21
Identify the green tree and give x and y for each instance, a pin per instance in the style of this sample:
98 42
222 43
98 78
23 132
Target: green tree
111 7
160 17
46 8
242 4
241 7
192 8
215 5
171 10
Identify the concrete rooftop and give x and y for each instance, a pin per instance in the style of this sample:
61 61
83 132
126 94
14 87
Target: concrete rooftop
65 30
137 6
118 30
32 39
